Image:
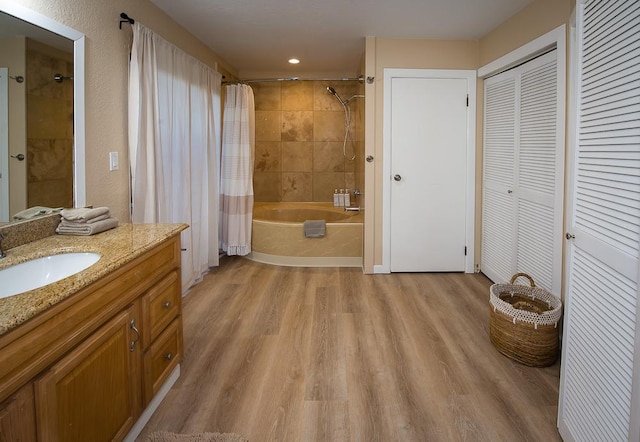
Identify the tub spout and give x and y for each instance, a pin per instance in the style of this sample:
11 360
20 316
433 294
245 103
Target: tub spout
352 209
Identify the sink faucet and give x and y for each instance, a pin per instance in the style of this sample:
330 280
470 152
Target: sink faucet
2 254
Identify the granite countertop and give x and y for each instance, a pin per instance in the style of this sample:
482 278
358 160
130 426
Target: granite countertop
116 247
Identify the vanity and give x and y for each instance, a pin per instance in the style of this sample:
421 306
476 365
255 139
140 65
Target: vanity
82 358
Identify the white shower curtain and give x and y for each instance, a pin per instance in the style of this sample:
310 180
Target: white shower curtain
236 185
174 106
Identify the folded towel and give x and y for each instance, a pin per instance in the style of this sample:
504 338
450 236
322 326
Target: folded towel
86 229
314 228
83 214
64 222
35 211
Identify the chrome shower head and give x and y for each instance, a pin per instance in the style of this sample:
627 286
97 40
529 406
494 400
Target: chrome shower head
333 92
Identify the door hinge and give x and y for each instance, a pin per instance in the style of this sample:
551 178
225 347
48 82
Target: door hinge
467 100
465 250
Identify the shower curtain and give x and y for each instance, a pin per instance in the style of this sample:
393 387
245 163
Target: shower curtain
174 107
236 184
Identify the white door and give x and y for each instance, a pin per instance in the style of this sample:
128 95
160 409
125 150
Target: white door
600 380
4 145
429 174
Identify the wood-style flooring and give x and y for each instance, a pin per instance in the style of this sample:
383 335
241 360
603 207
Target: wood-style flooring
329 354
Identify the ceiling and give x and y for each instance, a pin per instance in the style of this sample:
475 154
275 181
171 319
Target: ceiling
257 37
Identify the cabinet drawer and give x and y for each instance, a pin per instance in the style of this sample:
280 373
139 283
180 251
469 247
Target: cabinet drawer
160 306
161 358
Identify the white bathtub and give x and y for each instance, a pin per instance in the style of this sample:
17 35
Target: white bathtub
278 237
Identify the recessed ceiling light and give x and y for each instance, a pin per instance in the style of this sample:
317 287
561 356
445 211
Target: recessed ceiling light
294 61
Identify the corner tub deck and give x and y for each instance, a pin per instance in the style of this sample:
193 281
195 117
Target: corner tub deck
278 235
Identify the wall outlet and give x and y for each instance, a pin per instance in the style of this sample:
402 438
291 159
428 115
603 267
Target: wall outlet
113 161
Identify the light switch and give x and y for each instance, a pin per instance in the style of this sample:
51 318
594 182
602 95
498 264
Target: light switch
113 161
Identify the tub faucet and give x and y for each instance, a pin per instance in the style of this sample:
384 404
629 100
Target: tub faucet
2 254
352 209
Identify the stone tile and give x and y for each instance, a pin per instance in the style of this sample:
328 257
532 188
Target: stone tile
50 160
268 126
49 117
328 126
268 156
324 183
297 186
297 156
267 96
327 157
297 126
266 186
297 95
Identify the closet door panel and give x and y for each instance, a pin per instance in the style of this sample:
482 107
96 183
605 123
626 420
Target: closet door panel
600 381
498 225
539 238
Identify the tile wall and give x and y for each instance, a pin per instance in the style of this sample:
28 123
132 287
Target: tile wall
300 129
49 127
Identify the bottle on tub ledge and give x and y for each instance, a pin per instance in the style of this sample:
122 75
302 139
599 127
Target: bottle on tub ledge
347 198
336 200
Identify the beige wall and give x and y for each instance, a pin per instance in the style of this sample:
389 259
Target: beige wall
13 56
106 71
300 132
536 19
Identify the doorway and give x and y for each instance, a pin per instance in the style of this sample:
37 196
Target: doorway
429 170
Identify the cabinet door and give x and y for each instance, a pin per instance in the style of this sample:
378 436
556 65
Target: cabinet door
93 393
18 418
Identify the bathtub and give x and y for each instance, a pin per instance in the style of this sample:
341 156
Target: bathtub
277 235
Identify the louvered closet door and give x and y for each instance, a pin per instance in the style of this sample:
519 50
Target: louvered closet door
523 158
498 211
600 361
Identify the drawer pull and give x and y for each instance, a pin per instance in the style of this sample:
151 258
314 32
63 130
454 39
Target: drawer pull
168 356
167 304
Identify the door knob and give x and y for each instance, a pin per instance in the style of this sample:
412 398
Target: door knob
19 157
397 177
570 236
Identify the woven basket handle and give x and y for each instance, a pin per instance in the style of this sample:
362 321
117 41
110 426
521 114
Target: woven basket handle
517 275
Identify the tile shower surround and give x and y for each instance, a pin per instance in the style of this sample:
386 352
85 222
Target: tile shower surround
299 136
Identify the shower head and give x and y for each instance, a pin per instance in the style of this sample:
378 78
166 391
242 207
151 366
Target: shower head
333 92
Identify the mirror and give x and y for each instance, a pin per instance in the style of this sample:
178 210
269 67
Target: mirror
23 31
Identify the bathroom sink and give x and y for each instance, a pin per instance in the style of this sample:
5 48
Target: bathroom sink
39 272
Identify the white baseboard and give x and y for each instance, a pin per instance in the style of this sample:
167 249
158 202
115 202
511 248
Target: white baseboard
153 405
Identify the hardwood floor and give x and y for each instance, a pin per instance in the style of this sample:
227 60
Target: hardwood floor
328 354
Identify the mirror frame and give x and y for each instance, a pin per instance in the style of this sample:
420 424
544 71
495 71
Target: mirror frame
37 19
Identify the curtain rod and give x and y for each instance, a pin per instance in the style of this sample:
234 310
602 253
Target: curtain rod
264 80
125 19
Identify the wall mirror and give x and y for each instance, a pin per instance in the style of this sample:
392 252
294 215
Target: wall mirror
42 114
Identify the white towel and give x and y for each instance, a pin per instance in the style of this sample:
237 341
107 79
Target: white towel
314 228
83 214
64 222
86 229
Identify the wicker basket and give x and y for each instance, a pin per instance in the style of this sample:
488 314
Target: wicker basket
523 322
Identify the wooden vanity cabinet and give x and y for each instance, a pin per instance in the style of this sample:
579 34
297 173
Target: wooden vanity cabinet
93 362
162 333
92 394
18 417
